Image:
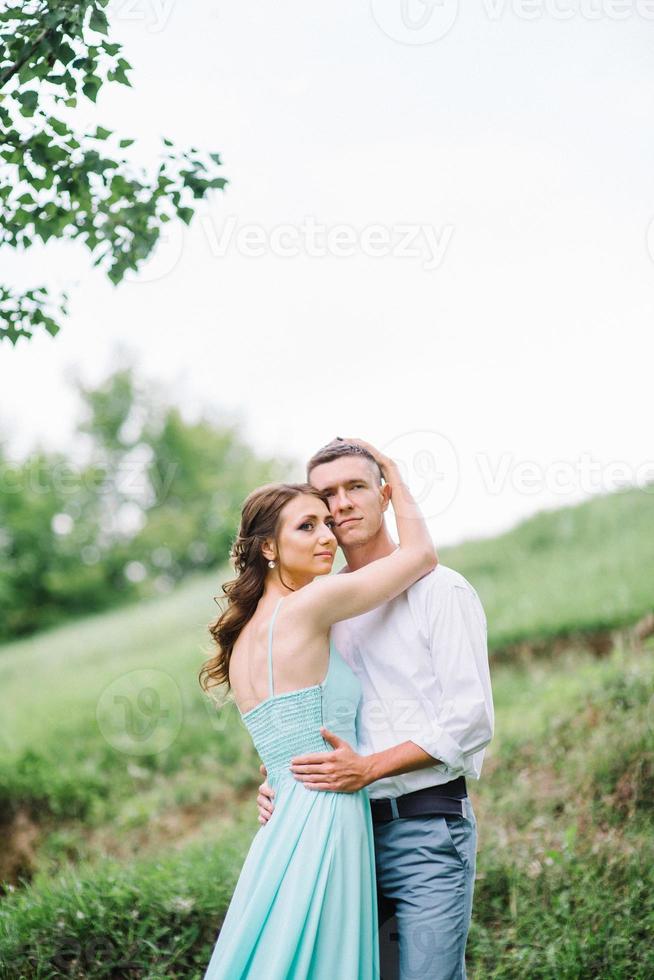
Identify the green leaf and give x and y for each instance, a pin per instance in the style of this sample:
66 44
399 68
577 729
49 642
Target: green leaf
91 87
28 101
185 214
126 142
27 73
98 21
118 76
216 158
54 17
60 127
65 53
101 133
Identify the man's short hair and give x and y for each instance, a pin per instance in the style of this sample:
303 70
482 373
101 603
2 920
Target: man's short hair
337 449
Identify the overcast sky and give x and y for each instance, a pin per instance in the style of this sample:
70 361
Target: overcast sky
436 236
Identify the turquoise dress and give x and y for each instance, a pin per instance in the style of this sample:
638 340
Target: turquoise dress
305 903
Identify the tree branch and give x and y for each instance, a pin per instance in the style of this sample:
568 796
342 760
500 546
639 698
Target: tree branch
12 69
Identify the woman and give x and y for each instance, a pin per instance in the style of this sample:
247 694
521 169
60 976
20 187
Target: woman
305 903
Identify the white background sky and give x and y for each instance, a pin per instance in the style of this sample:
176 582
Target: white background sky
524 144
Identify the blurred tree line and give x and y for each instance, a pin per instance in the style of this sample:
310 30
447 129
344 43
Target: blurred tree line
155 498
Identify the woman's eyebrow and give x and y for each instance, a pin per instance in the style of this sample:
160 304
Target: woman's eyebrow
310 517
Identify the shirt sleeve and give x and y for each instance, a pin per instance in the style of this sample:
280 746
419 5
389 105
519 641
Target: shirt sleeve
462 719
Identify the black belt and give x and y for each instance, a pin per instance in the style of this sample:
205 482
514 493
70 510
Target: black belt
444 798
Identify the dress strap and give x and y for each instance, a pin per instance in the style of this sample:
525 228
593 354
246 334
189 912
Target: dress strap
270 636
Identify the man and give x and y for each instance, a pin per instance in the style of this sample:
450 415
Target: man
425 718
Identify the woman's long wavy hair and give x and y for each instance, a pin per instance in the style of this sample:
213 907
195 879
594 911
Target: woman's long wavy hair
260 517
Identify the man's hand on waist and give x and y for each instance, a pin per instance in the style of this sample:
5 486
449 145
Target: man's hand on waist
345 771
340 771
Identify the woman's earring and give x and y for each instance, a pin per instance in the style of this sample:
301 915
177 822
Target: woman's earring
271 564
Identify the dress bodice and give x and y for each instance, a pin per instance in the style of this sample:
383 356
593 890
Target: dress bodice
287 725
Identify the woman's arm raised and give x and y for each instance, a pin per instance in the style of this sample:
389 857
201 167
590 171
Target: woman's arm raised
329 600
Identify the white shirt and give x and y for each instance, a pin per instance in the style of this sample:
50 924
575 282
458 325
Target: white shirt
422 660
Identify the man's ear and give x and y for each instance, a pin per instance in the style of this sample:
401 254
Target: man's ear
385 491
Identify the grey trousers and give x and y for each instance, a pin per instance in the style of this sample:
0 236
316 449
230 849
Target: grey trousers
425 883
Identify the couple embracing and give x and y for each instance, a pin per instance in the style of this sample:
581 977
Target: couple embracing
367 695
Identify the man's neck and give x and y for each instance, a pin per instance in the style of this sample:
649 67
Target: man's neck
378 547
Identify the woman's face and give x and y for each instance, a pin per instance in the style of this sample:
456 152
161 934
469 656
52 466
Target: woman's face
306 544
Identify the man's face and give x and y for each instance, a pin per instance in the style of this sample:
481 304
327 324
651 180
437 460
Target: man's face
355 498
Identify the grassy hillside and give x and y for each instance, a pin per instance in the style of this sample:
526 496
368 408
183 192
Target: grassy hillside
70 767
565 807
127 799
577 569
565 867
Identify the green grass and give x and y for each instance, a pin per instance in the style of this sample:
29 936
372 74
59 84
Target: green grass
56 678
565 867
155 918
71 758
565 809
577 569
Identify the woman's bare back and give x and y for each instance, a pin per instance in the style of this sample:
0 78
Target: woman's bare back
300 658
